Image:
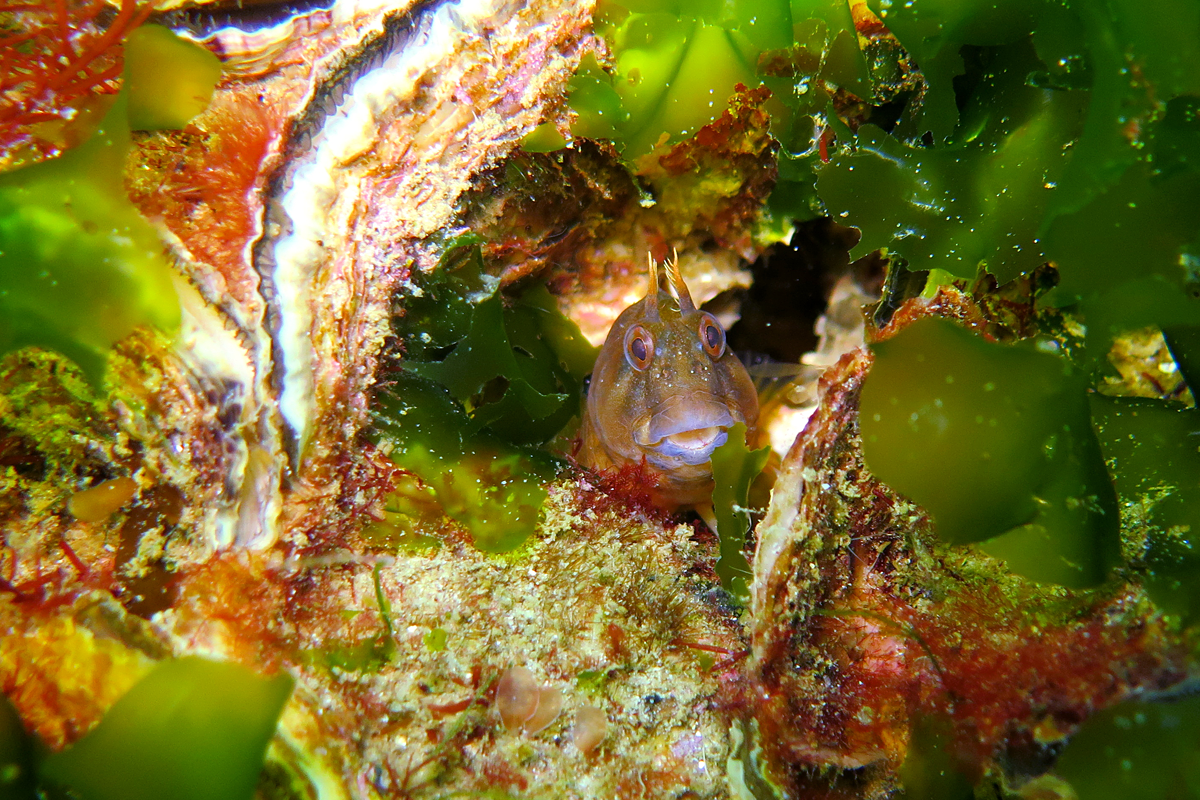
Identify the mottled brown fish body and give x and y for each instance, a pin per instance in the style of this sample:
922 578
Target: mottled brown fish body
665 391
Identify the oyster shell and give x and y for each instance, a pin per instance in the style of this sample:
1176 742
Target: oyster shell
373 135
344 149
864 622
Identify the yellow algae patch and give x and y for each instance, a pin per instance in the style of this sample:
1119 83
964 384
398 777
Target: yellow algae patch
62 677
169 80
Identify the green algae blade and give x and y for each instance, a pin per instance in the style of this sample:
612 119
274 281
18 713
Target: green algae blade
169 80
491 487
1136 751
1151 447
17 756
934 33
992 439
676 66
515 367
193 729
976 202
735 466
80 268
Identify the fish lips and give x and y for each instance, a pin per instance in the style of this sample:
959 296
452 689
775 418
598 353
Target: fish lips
685 429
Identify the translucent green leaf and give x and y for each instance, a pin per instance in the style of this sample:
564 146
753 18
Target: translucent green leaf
934 32
675 76
436 639
491 487
930 770
1175 140
992 439
597 106
1136 751
1136 60
1152 448
1140 227
735 467
192 729
650 49
17 770
979 202
765 24
79 266
169 80
545 138
835 39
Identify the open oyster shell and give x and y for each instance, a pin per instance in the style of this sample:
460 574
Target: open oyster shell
345 149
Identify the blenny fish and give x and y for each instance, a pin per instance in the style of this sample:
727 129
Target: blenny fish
665 392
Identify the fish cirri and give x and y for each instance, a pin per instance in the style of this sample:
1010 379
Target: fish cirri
665 392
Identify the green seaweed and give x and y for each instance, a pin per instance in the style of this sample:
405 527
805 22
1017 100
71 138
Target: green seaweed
370 654
545 138
492 487
1057 132
436 640
933 32
676 66
597 106
996 442
80 268
591 681
1136 751
735 466
192 729
517 368
170 80
930 771
1151 448
485 355
973 203
485 380
18 765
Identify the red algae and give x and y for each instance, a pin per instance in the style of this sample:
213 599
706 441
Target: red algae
630 487
61 62
739 142
200 181
1005 696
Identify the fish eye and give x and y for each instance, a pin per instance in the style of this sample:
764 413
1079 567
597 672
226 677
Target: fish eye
639 347
712 336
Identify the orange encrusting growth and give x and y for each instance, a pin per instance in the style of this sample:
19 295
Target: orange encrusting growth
201 182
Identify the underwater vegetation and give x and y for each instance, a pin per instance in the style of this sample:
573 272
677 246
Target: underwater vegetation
298 309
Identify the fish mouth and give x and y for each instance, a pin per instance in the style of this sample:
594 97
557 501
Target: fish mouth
685 429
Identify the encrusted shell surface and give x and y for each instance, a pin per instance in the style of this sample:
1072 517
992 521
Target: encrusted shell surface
863 621
374 122
343 150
